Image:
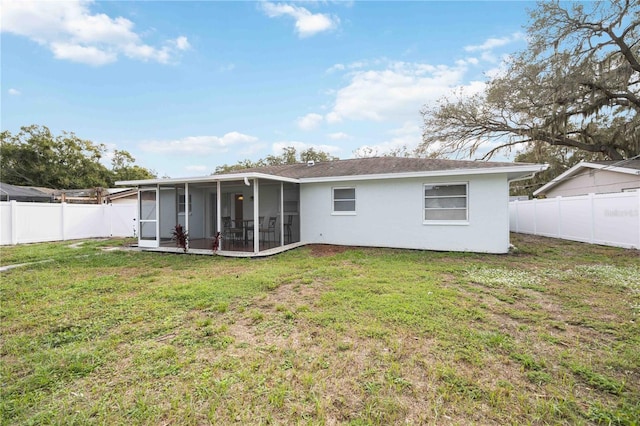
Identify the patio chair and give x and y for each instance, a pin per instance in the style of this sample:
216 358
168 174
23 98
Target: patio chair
230 232
251 226
270 229
288 233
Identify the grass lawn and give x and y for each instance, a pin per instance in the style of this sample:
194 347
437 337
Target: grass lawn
321 335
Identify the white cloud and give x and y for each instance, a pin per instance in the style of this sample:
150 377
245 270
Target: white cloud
338 136
408 136
310 121
307 23
199 145
227 67
278 147
14 92
84 54
492 43
182 43
336 67
397 92
72 32
354 65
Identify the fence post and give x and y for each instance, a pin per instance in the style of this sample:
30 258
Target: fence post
535 216
14 222
592 237
638 196
559 228
63 208
109 208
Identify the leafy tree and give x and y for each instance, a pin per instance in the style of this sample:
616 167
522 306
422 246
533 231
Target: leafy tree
289 156
35 157
577 85
123 167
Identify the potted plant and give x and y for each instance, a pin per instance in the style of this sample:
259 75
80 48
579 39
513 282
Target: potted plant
181 237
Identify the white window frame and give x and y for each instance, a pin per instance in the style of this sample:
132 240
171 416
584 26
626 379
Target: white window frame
333 202
182 204
445 221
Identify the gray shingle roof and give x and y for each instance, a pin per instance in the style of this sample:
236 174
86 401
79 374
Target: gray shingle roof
22 193
371 166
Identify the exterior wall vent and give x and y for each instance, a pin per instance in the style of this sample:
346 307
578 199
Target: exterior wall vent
311 163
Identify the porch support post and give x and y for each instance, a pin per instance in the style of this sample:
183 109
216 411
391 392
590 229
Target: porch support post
186 210
14 221
157 215
281 213
256 218
219 210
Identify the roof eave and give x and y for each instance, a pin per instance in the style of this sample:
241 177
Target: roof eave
512 172
204 179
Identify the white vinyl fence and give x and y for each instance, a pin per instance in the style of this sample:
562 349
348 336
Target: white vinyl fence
38 222
607 219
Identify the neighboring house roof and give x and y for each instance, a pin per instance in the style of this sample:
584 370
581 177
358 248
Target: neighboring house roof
631 167
365 168
22 193
32 193
119 194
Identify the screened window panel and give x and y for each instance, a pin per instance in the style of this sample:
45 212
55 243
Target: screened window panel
445 190
445 214
344 206
344 200
443 203
147 205
147 230
344 194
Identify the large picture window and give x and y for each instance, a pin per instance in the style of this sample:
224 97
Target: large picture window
344 200
446 202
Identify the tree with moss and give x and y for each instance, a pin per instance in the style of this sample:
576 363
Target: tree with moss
577 85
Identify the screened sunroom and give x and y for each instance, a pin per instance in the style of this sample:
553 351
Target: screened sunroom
253 213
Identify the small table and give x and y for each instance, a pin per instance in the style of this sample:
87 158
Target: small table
246 228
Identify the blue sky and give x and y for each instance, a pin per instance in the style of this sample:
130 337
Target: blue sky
186 86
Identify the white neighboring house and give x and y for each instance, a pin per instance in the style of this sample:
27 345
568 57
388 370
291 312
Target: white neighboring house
394 202
121 196
598 177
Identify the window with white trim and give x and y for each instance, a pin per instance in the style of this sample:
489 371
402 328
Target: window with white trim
181 203
344 200
446 202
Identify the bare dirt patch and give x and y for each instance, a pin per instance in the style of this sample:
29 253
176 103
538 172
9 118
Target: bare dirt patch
273 321
322 250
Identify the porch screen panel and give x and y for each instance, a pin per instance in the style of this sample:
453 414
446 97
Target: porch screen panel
148 215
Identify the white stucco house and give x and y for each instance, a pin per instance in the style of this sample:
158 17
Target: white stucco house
426 204
598 177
